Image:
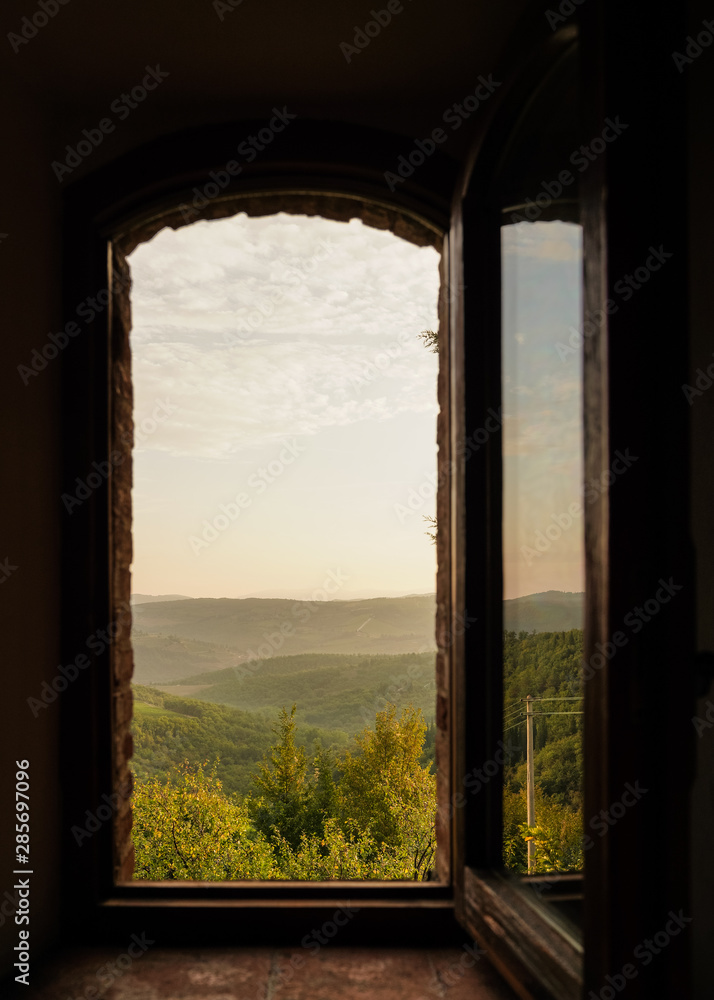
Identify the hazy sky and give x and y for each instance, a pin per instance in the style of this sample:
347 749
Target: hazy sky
542 401
286 409
276 360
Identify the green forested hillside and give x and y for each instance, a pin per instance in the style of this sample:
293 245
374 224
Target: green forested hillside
169 730
334 691
546 666
331 822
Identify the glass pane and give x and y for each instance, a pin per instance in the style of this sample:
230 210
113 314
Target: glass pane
543 506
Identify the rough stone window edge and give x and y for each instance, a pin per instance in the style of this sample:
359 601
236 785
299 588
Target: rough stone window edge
404 223
339 208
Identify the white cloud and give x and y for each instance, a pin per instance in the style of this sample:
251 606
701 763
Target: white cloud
259 328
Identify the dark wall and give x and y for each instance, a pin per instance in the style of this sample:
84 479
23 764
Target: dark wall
701 222
29 427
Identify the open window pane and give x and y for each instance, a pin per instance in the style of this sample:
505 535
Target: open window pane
284 501
543 508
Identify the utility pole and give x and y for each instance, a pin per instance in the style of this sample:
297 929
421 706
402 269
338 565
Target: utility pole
530 780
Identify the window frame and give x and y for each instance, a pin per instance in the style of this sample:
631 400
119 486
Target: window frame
532 949
332 171
632 197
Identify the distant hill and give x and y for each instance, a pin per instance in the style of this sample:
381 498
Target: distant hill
345 595
333 691
184 637
232 631
159 659
551 611
151 599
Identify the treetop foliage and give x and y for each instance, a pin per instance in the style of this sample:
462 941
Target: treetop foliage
369 814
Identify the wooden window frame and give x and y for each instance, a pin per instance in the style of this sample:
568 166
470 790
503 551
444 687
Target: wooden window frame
536 952
632 198
331 171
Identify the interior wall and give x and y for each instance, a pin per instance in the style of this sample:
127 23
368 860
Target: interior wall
31 513
701 222
220 65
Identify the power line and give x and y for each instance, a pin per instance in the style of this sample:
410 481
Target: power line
564 698
558 713
514 726
512 711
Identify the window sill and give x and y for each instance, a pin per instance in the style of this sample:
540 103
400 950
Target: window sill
208 913
249 892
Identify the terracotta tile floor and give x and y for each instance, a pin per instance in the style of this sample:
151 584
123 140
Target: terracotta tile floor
330 973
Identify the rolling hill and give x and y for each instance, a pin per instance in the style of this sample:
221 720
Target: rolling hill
154 598
333 691
551 611
159 659
231 631
185 637
168 730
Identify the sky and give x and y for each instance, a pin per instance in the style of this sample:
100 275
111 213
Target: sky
542 404
285 410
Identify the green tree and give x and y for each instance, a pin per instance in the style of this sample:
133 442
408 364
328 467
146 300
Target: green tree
341 854
321 802
375 822
558 834
433 524
431 340
185 828
386 794
284 804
